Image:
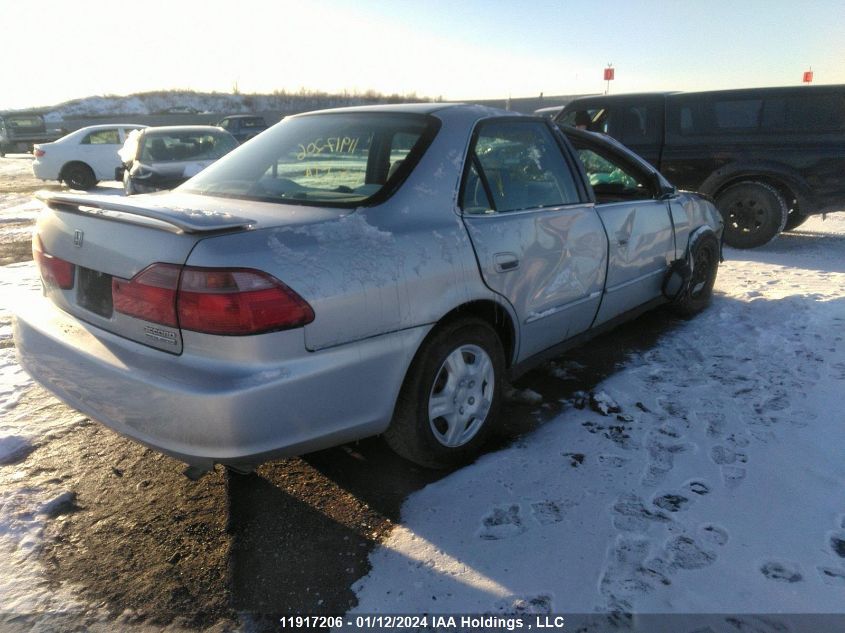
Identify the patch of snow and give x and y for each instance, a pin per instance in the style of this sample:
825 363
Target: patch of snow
718 488
523 396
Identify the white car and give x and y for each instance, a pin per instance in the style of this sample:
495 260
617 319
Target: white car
84 157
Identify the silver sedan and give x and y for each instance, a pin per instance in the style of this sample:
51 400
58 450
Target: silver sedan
353 272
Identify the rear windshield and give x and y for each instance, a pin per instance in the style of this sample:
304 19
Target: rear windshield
322 159
163 147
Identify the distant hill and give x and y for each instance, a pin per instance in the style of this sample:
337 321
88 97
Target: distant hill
190 102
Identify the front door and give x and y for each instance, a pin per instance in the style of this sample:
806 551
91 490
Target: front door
638 224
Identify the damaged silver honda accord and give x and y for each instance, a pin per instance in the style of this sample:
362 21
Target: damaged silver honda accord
354 272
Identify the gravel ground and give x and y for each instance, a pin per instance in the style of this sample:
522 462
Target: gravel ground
141 545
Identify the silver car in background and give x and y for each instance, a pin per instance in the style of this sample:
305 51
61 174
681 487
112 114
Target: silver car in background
353 272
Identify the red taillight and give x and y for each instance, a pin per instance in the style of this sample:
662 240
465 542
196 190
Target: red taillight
238 301
38 153
55 271
209 300
150 295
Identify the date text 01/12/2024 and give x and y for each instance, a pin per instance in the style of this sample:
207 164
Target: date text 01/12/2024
463 623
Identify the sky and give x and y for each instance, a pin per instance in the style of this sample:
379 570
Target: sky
55 50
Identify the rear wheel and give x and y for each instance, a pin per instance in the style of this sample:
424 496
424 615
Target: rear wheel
451 396
79 176
754 213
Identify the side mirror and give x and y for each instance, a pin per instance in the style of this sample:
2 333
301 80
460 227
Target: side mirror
664 189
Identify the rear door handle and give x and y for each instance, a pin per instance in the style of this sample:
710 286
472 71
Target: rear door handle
505 262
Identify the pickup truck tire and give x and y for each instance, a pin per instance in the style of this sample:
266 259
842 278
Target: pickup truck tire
795 219
704 258
754 213
450 400
79 176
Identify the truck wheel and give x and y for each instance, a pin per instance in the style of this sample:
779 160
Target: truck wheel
451 396
79 176
704 257
795 219
754 213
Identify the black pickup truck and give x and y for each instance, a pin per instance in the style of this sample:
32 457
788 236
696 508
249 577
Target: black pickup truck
19 131
770 157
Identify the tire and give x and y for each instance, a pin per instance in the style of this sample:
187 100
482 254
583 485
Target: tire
754 213
704 259
79 176
795 219
463 362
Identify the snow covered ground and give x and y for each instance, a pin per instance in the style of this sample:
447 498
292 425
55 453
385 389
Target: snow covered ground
717 485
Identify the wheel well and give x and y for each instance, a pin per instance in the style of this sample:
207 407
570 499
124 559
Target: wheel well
492 313
781 187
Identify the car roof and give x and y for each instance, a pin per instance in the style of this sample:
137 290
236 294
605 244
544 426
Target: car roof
108 126
242 116
621 95
185 128
419 108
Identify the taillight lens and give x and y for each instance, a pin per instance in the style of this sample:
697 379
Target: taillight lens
55 272
150 295
210 300
38 153
238 301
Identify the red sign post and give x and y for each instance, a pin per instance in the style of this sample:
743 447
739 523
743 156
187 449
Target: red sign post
608 76
808 76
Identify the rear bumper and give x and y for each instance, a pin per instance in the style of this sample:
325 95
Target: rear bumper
205 410
44 171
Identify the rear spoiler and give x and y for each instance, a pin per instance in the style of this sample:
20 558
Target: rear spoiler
174 219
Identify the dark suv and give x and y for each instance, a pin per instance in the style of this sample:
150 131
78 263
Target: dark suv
243 126
770 157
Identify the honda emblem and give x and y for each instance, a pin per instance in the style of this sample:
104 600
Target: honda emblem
77 238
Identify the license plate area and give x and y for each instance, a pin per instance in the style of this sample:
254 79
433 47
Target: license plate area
94 292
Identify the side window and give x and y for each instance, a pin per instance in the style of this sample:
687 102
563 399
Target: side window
812 113
225 124
738 115
102 137
613 180
521 166
474 198
585 118
637 124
